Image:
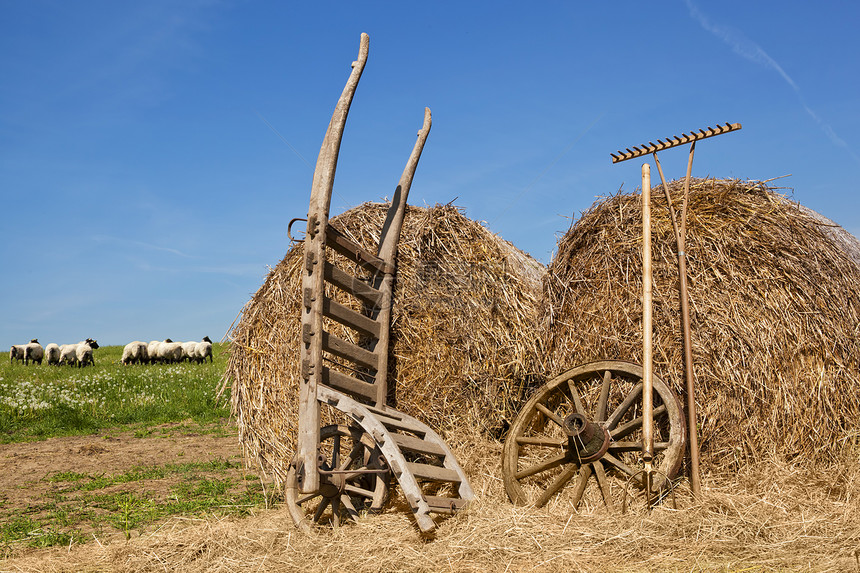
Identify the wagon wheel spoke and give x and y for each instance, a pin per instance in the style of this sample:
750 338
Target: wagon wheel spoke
335 453
349 507
354 456
604 396
544 442
543 466
581 483
633 425
324 503
624 407
307 498
603 483
559 482
360 491
335 511
550 414
574 394
619 464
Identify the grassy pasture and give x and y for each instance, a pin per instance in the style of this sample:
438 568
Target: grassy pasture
111 403
41 401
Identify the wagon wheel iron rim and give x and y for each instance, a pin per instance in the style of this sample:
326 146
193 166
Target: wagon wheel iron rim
354 480
543 462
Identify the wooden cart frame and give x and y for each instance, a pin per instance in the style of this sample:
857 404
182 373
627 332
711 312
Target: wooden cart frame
338 471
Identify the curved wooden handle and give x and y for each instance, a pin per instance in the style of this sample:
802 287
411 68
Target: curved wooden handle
394 220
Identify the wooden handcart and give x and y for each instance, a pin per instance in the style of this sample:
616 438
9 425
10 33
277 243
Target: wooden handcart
343 470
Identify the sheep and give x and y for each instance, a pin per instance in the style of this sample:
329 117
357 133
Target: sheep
202 350
135 353
84 352
188 350
169 351
152 350
52 354
16 353
33 351
68 354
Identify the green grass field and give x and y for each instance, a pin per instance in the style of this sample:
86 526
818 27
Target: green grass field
41 401
145 402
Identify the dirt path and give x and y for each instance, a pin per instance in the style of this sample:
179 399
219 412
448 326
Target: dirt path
24 467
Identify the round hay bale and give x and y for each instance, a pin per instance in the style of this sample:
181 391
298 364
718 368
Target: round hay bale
463 348
775 301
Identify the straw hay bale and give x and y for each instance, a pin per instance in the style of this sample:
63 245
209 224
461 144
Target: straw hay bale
463 343
774 309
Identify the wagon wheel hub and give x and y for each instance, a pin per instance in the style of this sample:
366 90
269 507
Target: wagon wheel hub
332 485
586 441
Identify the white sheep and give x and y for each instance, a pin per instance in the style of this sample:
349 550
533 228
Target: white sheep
84 352
135 353
202 350
68 354
169 351
33 351
152 350
188 350
52 353
16 353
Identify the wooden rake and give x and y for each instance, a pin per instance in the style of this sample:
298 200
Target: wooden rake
680 239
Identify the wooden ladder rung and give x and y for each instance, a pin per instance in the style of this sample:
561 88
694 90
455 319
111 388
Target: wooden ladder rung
349 385
343 348
400 424
433 473
413 444
345 316
445 504
355 252
352 285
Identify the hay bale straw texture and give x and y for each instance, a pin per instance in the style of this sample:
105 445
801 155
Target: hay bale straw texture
463 347
775 300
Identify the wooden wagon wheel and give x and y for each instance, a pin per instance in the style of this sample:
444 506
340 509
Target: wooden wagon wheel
354 479
587 423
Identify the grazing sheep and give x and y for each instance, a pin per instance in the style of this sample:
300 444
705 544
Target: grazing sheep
34 352
135 353
203 350
68 354
169 351
84 352
16 353
52 353
152 351
188 349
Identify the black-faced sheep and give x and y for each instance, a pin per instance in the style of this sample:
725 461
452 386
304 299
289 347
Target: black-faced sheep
84 352
202 350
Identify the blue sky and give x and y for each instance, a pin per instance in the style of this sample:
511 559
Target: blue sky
152 153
